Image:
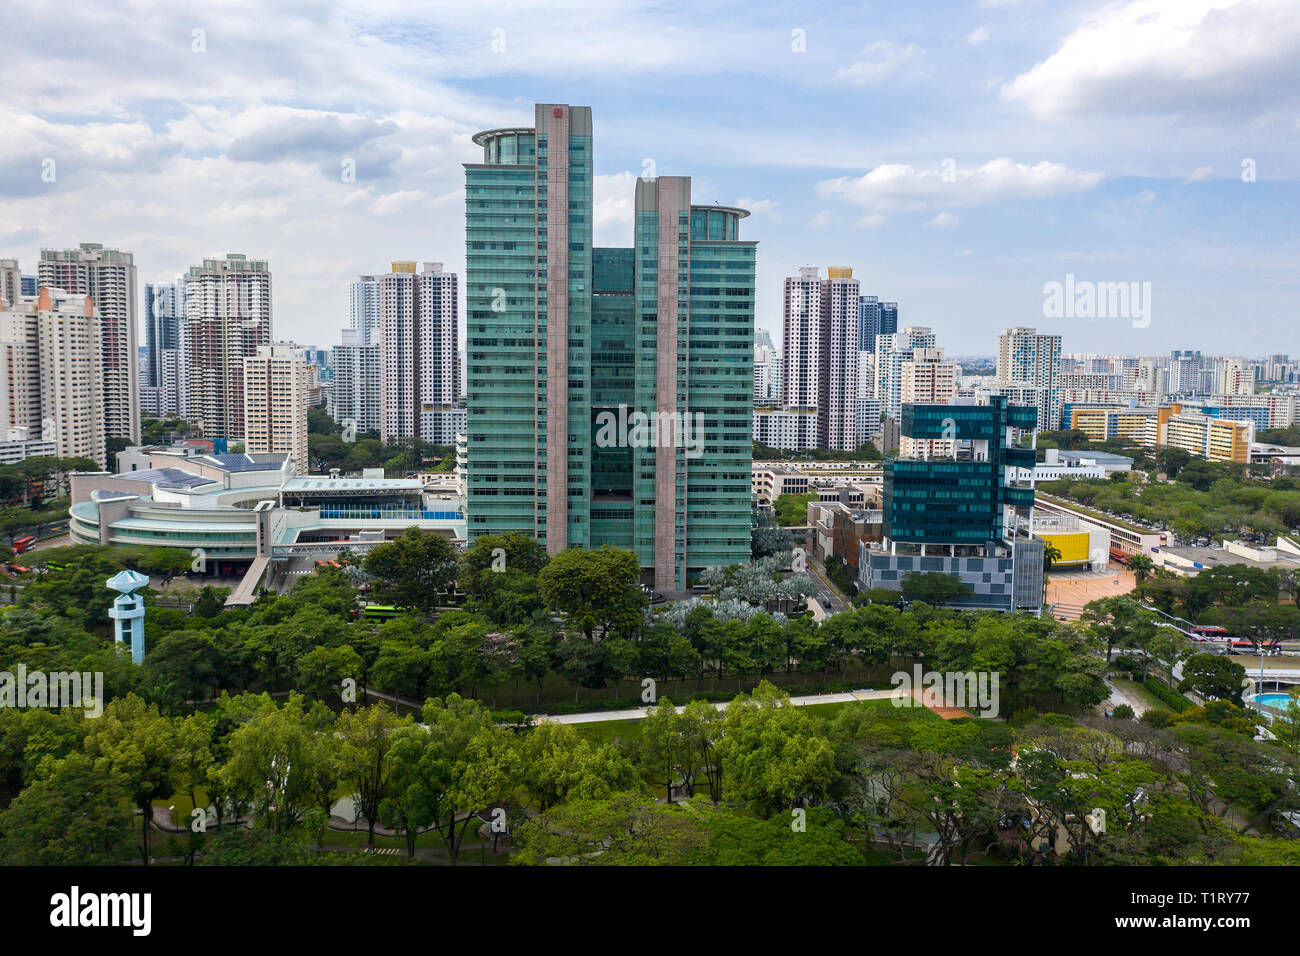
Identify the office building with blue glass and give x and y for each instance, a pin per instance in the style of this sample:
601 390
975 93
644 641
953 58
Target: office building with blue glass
964 516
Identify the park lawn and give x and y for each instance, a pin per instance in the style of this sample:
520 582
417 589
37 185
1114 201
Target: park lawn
1139 691
883 706
628 731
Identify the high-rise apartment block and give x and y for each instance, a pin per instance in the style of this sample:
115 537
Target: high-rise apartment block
276 380
801 339
610 389
363 309
892 350
767 376
926 379
419 376
875 318
821 319
227 319
164 372
1026 357
11 282
108 276
354 399
837 405
51 363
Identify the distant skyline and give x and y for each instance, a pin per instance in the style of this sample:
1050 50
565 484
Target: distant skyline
1100 140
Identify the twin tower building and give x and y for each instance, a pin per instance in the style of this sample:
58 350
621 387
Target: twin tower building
609 389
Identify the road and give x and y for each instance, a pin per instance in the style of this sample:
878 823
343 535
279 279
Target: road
825 590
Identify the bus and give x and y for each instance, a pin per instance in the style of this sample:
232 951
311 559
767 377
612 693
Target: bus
24 543
1209 633
1246 647
378 612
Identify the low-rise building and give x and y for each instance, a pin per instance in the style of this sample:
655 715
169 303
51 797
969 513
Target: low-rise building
1126 537
234 508
1082 545
1190 561
790 429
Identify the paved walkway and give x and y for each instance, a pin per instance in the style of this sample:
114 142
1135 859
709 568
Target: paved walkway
1070 591
1122 695
639 713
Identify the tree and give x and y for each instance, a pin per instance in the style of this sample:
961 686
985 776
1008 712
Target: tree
134 743
775 755
322 671
598 590
1142 566
1286 725
74 816
366 735
1213 677
623 829
497 554
417 778
186 663
471 765
1172 460
767 537
934 588
272 753
1114 620
792 510
558 764
413 570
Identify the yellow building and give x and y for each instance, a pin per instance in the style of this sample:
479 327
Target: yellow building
1081 544
1218 439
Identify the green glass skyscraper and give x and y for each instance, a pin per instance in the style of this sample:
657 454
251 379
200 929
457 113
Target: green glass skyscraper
564 339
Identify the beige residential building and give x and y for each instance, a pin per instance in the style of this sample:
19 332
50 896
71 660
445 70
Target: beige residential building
1216 439
419 377
108 276
276 380
926 379
228 318
51 361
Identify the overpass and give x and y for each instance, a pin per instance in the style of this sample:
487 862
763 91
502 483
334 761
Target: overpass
304 549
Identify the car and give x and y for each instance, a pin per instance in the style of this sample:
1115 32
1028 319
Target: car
826 603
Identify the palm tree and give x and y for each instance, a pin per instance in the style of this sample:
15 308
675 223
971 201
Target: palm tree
1051 554
1142 566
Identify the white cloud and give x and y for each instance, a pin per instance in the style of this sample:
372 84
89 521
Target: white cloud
945 220
1146 196
1199 173
1169 56
758 206
871 220
883 59
900 186
821 220
977 36
613 199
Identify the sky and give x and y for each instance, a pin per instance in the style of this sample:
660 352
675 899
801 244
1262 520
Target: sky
959 156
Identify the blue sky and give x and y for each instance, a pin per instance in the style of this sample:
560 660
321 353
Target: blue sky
1100 139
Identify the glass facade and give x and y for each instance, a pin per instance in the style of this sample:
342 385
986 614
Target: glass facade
614 345
959 502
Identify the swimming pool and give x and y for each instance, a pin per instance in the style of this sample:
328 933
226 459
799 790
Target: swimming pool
1278 701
